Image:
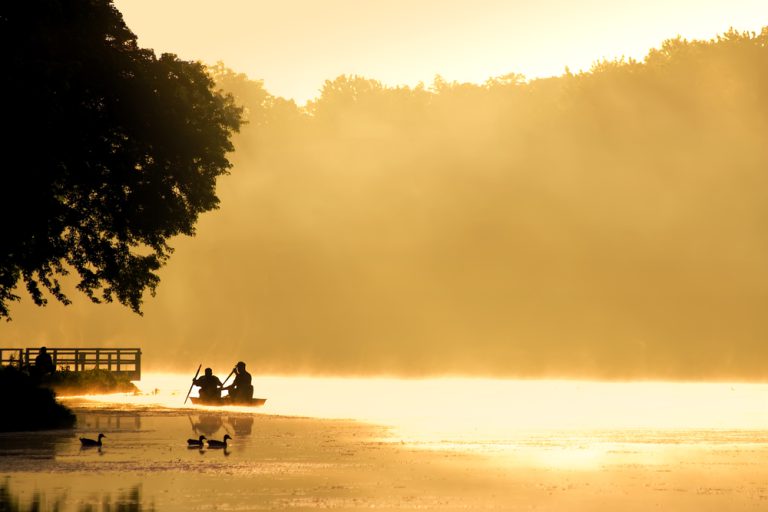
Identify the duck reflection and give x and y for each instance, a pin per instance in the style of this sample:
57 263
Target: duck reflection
90 449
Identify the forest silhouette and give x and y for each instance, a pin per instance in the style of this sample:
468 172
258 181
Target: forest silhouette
112 151
608 223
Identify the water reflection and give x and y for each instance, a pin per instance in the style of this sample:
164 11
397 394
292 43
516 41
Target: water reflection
206 424
33 445
128 501
96 449
99 422
242 425
11 503
216 424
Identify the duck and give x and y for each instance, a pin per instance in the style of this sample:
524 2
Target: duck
212 443
90 442
196 443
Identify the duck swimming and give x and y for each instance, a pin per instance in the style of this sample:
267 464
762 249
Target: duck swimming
212 443
196 443
90 442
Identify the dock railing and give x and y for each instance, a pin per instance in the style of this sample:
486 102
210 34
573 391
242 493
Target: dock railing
124 361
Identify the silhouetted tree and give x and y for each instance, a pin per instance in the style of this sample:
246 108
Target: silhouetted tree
109 151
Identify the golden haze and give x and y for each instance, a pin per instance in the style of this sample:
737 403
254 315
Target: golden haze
607 224
295 45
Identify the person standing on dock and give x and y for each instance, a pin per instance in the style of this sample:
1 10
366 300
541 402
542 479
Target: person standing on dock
44 363
210 385
241 389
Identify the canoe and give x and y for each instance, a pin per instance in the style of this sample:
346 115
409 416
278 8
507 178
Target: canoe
225 400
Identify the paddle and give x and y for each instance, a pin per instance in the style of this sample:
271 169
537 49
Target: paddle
193 383
194 427
228 376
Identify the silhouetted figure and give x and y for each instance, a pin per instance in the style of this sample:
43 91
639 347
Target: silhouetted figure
241 389
210 386
44 363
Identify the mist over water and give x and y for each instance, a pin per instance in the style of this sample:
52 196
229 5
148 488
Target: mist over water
481 410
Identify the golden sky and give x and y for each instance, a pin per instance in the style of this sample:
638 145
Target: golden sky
294 45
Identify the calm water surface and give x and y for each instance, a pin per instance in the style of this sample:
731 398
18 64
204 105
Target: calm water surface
438 444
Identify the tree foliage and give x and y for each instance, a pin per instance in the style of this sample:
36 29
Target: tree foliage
109 151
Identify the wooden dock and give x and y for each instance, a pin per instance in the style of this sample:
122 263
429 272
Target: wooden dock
123 361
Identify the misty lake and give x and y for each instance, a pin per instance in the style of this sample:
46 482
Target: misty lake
393 444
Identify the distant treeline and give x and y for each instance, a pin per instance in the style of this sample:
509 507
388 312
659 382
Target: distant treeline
609 222
682 97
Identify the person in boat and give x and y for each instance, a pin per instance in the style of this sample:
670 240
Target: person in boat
241 389
210 386
43 362
243 425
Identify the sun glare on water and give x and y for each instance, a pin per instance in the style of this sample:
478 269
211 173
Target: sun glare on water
485 407
546 423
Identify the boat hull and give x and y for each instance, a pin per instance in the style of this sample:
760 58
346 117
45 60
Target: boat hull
225 400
